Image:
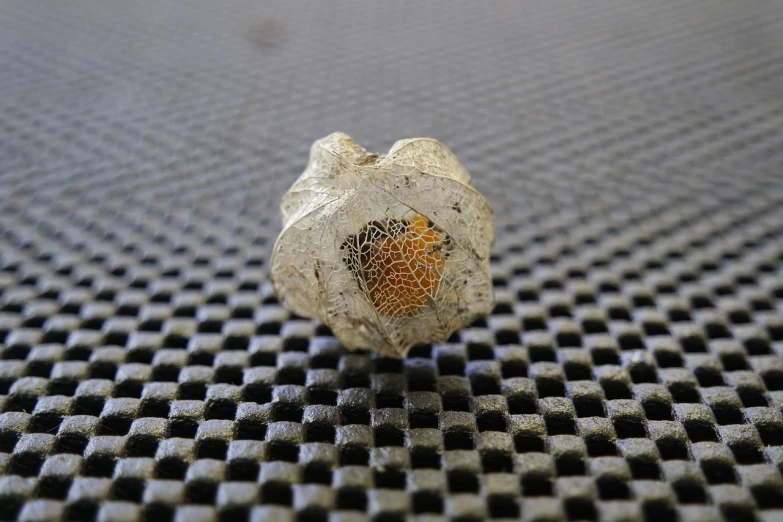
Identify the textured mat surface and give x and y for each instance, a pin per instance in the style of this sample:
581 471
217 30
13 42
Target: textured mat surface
632 369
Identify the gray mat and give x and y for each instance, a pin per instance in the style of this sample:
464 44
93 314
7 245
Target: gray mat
632 369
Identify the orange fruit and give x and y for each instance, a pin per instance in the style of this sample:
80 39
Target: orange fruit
400 261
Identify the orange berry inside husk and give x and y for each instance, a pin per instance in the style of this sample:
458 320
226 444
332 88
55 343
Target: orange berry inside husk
402 265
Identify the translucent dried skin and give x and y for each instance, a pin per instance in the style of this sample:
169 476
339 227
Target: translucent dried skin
388 251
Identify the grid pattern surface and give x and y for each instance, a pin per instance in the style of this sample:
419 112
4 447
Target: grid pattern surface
631 369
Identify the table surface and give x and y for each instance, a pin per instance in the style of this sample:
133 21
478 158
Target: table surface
632 369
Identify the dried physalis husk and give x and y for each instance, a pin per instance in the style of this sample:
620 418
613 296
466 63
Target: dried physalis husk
388 251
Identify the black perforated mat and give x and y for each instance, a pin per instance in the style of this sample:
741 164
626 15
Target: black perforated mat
632 369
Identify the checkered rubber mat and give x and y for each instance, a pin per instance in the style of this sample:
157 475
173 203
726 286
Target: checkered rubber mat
632 369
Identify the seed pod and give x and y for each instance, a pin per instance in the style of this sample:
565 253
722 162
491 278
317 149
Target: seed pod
388 251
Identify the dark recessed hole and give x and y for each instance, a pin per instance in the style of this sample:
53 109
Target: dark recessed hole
388 400
68 443
550 387
560 426
355 416
708 377
171 468
142 446
503 337
631 341
484 385
580 509
589 407
389 436
318 432
352 379
212 449
493 421
183 428
539 353
601 448
668 359
131 389
672 449
643 469
535 485
165 373
699 432
63 387
521 405
718 472
717 331
268 328
257 392
234 513
324 360
55 336
296 344
658 510
353 499
25 403
613 489
291 375
263 359
577 371
458 440
321 396
52 487
641 373
45 423
690 493
317 473
616 390
423 419
514 368
617 313
175 341
455 402
532 323
570 465
388 365
250 430
284 451
192 391
528 444
651 328
684 393
390 479
425 458
569 339
236 342
501 506
462 481
17 351
114 425
629 429
771 435
26 464
746 454
158 512
480 351
312 514
427 502
243 470
752 397
116 339
128 489
657 410
220 409
99 466
200 492
497 462
603 356
767 497
354 455
451 365
154 408
229 375
726 416
693 344
181 311
81 511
